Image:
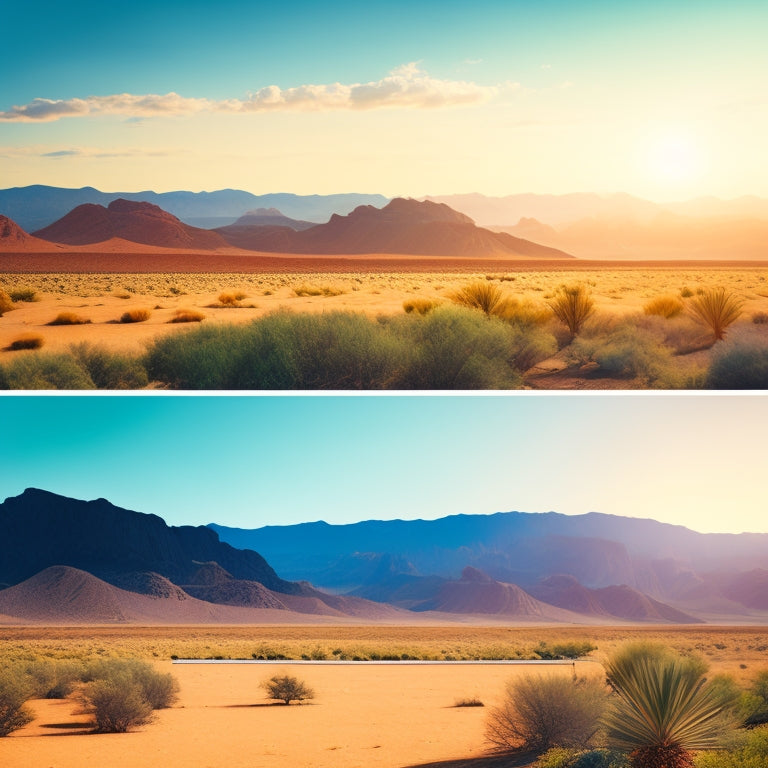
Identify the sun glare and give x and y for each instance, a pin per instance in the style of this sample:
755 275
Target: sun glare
674 158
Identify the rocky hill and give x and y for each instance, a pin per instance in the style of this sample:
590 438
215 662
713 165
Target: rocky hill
135 222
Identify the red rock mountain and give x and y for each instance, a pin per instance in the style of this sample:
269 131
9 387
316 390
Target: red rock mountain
14 238
133 221
402 226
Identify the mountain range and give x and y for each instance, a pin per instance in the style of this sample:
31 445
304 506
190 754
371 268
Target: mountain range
66 560
407 227
36 206
589 226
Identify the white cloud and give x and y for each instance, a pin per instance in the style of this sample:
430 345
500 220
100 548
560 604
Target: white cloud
406 86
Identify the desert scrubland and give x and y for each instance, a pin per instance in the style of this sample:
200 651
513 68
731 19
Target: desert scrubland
362 714
626 343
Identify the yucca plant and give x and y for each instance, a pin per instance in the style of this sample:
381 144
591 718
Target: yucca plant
717 308
662 709
572 306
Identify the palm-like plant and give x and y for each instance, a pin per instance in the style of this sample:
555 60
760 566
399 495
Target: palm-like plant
662 710
716 308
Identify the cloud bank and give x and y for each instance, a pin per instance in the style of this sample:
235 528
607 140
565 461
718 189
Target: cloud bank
406 87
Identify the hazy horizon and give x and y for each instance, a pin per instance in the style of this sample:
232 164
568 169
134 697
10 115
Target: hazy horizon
249 461
659 100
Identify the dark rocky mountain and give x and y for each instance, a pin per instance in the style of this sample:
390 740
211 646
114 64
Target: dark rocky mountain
99 562
401 227
37 206
136 222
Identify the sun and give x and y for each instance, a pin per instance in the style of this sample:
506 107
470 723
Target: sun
674 158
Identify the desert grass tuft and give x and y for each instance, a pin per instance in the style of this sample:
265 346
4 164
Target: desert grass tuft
485 296
717 309
572 306
231 298
6 303
135 316
187 316
471 701
419 305
664 306
308 289
24 294
69 318
28 341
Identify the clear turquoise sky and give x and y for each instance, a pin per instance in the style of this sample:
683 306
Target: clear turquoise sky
661 99
696 460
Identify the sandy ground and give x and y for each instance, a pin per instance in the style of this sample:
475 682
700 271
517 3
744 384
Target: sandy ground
363 715
102 298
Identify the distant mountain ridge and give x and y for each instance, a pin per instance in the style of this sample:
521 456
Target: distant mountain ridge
36 206
403 226
405 561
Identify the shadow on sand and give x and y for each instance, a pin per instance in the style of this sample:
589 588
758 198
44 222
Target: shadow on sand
488 761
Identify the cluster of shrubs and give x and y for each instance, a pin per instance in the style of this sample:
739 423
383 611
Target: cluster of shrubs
657 710
481 339
118 694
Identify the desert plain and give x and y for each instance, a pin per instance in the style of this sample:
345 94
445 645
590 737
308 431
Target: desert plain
363 713
238 289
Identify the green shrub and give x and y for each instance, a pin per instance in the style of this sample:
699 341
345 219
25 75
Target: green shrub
158 690
627 352
53 678
540 712
748 750
601 758
46 371
575 649
287 688
717 309
457 348
754 704
557 757
739 366
572 306
15 689
117 704
110 370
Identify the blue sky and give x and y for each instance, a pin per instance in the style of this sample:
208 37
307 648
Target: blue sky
665 100
696 460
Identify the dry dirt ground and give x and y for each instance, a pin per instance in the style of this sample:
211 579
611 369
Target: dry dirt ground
370 286
363 714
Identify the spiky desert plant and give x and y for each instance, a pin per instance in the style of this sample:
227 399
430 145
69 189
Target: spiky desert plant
485 296
717 308
662 709
572 306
